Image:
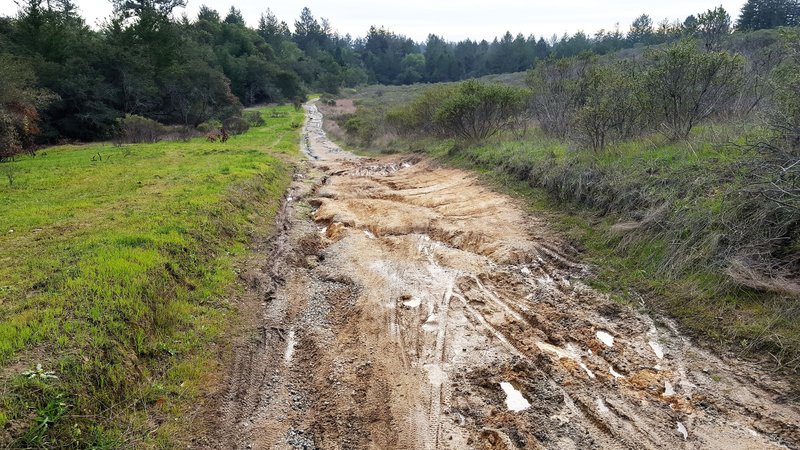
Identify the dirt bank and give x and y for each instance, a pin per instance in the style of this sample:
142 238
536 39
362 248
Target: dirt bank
404 305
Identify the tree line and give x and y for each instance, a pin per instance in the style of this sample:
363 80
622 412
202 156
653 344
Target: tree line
63 80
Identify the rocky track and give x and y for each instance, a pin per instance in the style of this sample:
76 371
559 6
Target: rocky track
406 306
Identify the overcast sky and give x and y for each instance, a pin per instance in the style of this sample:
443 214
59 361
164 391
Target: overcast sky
455 20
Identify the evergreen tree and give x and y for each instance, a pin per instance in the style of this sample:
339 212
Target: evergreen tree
641 31
712 26
234 17
761 14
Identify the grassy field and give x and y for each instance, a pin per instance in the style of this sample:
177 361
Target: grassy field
116 268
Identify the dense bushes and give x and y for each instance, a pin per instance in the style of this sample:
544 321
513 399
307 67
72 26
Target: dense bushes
770 201
477 111
612 108
236 125
669 90
471 111
253 118
137 129
687 85
20 102
209 126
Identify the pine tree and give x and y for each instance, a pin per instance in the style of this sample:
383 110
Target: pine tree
762 14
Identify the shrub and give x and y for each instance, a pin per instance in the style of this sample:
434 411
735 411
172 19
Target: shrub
361 128
236 125
327 99
209 126
611 107
254 118
137 129
478 110
687 85
556 94
20 103
419 116
472 111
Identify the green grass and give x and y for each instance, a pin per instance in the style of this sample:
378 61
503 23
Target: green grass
116 265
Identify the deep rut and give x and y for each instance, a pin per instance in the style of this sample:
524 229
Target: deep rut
399 296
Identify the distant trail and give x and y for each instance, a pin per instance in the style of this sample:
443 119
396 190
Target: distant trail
398 297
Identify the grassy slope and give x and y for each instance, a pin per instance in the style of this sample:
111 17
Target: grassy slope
115 273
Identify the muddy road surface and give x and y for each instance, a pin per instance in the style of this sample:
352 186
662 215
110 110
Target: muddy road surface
405 306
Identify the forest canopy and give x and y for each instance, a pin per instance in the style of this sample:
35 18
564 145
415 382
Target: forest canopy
72 82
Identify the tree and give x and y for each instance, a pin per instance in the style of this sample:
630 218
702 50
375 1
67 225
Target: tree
273 31
440 62
207 14
690 25
713 26
413 68
19 106
141 8
308 33
687 85
762 14
234 17
641 30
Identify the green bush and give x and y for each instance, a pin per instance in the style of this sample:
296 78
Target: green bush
327 99
209 126
236 125
254 118
611 108
137 129
361 128
418 117
472 111
478 110
687 85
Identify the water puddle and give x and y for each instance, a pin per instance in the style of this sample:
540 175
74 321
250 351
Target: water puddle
514 399
605 338
601 406
558 351
657 349
290 342
413 303
683 431
588 371
570 353
431 324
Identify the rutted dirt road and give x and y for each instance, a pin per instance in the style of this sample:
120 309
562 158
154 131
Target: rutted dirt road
405 306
